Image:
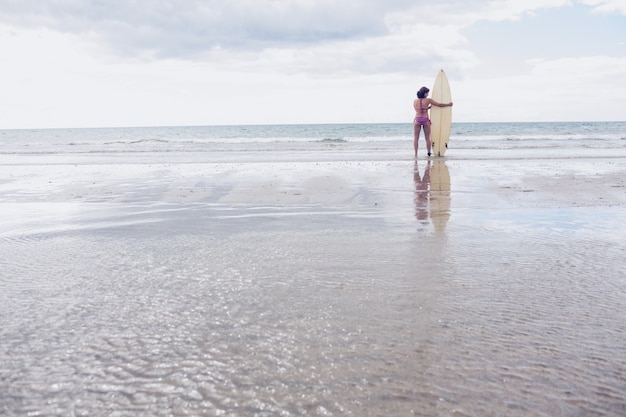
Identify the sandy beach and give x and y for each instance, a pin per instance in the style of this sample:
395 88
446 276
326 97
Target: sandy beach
299 208
336 287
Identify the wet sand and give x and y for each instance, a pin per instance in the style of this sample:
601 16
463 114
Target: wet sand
343 287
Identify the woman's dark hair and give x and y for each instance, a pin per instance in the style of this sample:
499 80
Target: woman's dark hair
422 92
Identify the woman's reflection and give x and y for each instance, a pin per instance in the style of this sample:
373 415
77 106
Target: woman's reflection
422 185
432 194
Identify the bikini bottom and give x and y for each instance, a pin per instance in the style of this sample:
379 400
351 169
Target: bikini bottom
421 121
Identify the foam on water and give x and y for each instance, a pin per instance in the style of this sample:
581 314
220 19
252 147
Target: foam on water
206 140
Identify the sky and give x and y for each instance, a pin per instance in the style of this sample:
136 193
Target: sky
97 63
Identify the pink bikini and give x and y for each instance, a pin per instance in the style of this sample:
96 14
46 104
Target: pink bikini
421 120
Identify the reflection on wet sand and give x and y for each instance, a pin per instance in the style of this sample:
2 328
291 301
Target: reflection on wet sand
432 193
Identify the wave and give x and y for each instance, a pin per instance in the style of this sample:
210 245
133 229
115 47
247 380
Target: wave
277 138
334 140
138 141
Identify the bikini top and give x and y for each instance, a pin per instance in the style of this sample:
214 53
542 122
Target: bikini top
422 108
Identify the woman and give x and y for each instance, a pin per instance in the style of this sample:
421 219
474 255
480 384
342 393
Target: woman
421 105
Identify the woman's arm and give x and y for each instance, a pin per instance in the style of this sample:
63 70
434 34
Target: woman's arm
434 103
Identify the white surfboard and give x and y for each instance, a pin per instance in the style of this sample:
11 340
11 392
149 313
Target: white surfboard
439 194
440 117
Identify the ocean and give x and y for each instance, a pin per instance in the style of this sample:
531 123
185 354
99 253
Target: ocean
313 270
312 142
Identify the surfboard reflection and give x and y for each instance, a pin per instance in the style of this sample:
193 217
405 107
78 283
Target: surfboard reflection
432 194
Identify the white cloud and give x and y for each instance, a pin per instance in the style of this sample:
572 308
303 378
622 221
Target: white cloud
195 30
184 28
155 62
606 6
500 10
570 89
310 36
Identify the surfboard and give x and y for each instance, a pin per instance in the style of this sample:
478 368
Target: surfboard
439 194
440 117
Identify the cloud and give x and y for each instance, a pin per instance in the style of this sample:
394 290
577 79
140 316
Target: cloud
606 6
147 62
184 28
551 91
192 29
320 37
324 37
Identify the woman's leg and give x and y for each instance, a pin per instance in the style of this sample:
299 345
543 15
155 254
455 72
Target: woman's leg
416 135
427 136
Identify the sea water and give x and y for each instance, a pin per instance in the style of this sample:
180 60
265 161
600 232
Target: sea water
122 294
312 142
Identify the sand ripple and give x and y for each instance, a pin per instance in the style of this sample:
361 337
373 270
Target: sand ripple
198 313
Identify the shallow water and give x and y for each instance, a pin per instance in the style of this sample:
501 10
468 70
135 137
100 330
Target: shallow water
377 302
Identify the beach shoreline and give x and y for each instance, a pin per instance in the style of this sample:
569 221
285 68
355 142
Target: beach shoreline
339 286
588 181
